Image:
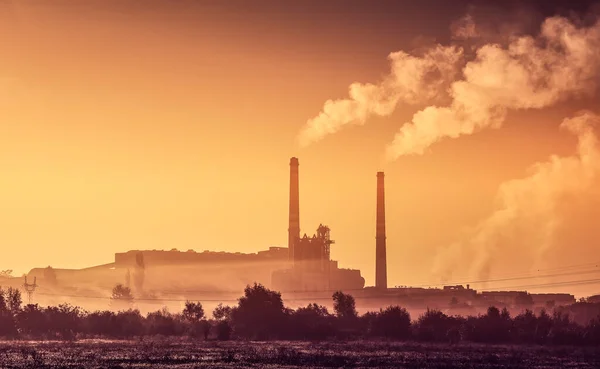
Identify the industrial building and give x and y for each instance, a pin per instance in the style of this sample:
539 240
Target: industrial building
303 270
311 269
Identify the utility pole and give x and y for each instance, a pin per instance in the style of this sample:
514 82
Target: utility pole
30 288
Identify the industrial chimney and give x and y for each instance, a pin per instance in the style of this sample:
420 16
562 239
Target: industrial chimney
294 221
380 252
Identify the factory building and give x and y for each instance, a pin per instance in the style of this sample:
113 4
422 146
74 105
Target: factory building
312 268
305 265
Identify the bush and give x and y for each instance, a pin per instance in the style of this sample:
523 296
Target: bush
259 314
312 322
393 322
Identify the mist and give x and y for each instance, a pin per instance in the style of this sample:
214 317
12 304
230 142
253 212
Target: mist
531 211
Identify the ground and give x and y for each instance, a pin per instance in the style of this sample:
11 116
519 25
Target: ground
361 354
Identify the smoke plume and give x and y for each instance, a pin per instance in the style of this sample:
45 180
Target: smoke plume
523 227
562 62
412 80
527 72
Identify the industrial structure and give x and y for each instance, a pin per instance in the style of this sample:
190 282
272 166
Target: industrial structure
294 218
301 271
312 269
380 247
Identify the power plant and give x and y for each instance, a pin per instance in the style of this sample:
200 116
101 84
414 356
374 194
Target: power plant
311 268
301 271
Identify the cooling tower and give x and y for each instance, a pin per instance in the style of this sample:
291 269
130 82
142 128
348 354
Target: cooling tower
294 221
380 249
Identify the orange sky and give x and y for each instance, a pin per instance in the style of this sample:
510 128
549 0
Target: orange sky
128 127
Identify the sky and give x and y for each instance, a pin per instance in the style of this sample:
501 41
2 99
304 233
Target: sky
154 125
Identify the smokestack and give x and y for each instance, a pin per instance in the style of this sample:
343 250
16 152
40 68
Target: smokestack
294 221
380 252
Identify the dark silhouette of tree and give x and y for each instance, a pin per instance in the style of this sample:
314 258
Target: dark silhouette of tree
32 320
564 331
63 321
130 323
101 323
312 322
193 314
393 322
205 326
193 311
13 300
8 327
3 305
344 305
259 314
163 323
434 325
222 312
525 326
223 330
494 327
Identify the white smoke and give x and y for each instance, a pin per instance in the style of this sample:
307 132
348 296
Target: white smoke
412 80
562 62
527 218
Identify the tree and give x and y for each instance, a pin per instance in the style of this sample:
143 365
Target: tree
121 297
222 312
7 321
393 322
259 314
223 330
435 326
13 300
162 322
193 312
32 320
3 305
312 322
63 320
101 323
344 305
129 323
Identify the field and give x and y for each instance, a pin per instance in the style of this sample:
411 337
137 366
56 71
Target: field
186 354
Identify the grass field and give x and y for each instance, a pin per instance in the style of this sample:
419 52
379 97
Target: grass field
186 354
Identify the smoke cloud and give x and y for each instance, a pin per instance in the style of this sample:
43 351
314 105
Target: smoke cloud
412 80
523 227
528 72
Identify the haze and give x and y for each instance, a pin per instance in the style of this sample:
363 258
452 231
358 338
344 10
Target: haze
144 125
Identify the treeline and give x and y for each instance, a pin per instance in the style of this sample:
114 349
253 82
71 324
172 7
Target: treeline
261 315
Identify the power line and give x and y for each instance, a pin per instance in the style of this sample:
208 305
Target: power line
504 277
554 284
517 278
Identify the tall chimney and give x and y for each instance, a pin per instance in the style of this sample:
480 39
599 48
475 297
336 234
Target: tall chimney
380 252
294 221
